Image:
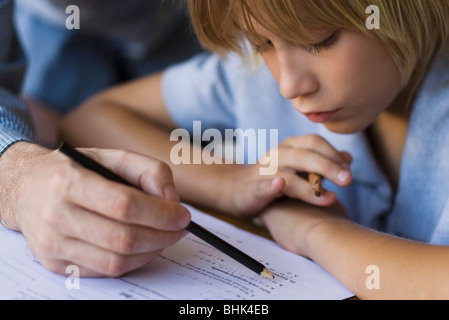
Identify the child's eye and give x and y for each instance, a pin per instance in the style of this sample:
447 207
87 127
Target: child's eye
324 45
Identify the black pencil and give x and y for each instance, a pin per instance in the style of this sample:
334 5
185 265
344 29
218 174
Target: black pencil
193 227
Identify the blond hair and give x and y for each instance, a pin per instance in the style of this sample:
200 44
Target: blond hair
413 31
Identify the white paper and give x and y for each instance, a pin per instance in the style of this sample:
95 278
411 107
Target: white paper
190 270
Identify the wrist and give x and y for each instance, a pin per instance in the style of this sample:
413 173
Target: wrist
22 151
324 224
214 188
15 164
300 227
223 186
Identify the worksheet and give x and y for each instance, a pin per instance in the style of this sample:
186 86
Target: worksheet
189 270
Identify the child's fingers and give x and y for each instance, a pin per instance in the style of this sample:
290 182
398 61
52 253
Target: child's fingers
269 189
309 161
292 186
347 156
318 145
260 193
299 188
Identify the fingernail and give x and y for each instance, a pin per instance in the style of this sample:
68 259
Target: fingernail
343 176
170 193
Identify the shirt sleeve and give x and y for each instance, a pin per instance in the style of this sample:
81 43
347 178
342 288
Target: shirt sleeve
440 235
15 123
200 90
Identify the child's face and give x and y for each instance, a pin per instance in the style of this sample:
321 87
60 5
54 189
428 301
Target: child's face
345 81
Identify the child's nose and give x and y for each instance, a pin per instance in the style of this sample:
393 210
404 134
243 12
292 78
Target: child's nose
294 86
295 78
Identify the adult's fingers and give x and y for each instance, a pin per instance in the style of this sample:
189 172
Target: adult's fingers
94 261
151 175
89 190
111 235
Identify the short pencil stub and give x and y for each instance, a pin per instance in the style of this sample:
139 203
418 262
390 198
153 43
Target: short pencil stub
316 184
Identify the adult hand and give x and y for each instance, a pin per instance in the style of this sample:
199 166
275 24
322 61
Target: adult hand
72 216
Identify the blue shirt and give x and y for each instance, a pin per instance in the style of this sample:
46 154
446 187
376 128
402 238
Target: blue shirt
141 23
117 40
231 94
15 123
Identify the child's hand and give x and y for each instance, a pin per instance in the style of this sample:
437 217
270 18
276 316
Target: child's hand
297 157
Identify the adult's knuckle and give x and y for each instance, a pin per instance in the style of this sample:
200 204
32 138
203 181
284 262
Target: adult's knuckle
115 266
51 219
64 177
166 214
160 167
46 246
125 242
59 179
120 205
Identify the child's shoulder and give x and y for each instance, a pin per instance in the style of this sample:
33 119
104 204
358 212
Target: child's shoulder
432 100
436 80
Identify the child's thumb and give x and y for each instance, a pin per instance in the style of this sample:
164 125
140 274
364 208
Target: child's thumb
269 189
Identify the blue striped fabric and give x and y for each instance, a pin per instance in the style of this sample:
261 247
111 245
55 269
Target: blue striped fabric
15 123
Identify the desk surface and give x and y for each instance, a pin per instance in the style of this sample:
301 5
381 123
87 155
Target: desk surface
242 224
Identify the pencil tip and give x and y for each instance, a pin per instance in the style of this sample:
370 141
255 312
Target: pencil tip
267 274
